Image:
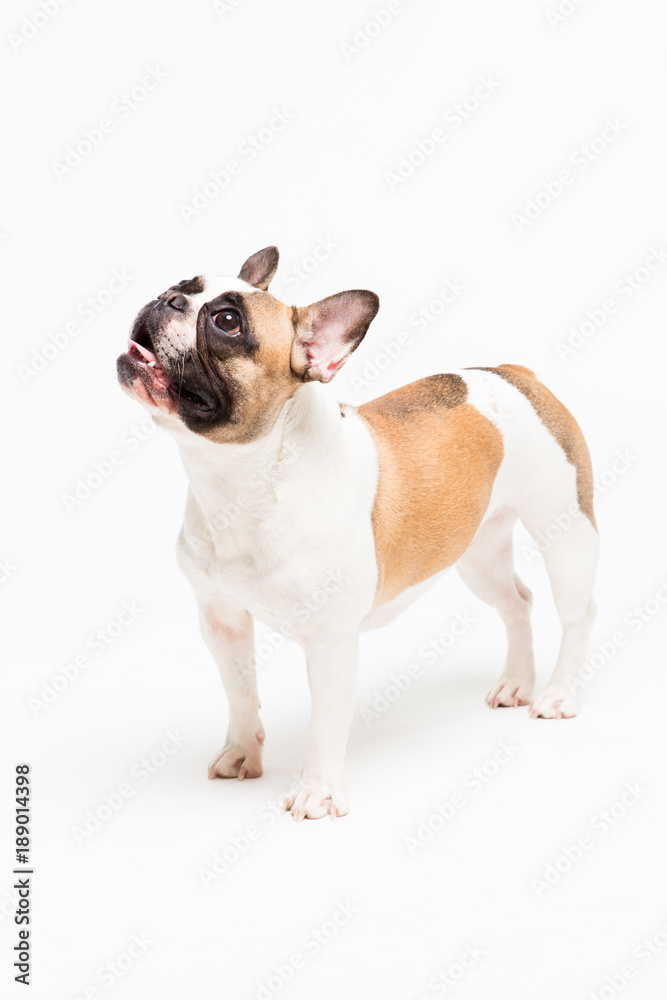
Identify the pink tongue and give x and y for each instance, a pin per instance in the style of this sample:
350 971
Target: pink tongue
148 355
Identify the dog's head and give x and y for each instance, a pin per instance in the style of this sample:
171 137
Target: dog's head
224 356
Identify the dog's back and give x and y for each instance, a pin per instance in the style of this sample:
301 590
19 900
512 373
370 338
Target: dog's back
455 448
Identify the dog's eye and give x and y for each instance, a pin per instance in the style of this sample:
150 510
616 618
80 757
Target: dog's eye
228 321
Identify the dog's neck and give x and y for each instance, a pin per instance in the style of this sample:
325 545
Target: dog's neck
235 485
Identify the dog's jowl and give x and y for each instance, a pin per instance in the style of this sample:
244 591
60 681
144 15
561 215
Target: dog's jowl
322 520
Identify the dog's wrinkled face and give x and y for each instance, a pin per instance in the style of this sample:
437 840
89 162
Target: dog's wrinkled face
224 355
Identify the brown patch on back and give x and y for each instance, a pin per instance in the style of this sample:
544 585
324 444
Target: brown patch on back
436 391
438 461
558 421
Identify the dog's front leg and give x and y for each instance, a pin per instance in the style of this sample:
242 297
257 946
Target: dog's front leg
332 674
230 638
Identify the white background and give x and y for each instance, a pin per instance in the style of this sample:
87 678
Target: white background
356 110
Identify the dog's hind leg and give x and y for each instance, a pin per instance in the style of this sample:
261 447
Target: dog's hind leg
571 560
487 567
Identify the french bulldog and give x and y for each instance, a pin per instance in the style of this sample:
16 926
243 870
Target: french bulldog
322 519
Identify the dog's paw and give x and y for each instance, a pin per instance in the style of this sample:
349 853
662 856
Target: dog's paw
509 693
554 703
236 761
314 799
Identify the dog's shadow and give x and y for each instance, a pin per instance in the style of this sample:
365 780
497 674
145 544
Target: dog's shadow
436 706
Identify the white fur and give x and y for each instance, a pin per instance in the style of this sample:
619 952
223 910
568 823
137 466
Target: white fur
281 528
536 483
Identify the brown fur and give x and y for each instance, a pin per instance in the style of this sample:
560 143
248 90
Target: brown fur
263 380
438 460
559 422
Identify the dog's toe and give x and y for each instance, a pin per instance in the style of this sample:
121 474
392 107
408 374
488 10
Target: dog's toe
315 800
509 693
236 762
554 703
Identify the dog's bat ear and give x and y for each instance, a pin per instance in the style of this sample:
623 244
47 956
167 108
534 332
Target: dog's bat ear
328 331
259 269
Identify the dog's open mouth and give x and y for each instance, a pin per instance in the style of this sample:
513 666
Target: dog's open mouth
181 389
144 357
156 380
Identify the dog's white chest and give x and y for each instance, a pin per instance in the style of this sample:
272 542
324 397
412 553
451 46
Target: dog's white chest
289 549
277 573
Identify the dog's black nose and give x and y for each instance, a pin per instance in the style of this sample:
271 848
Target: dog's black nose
175 300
